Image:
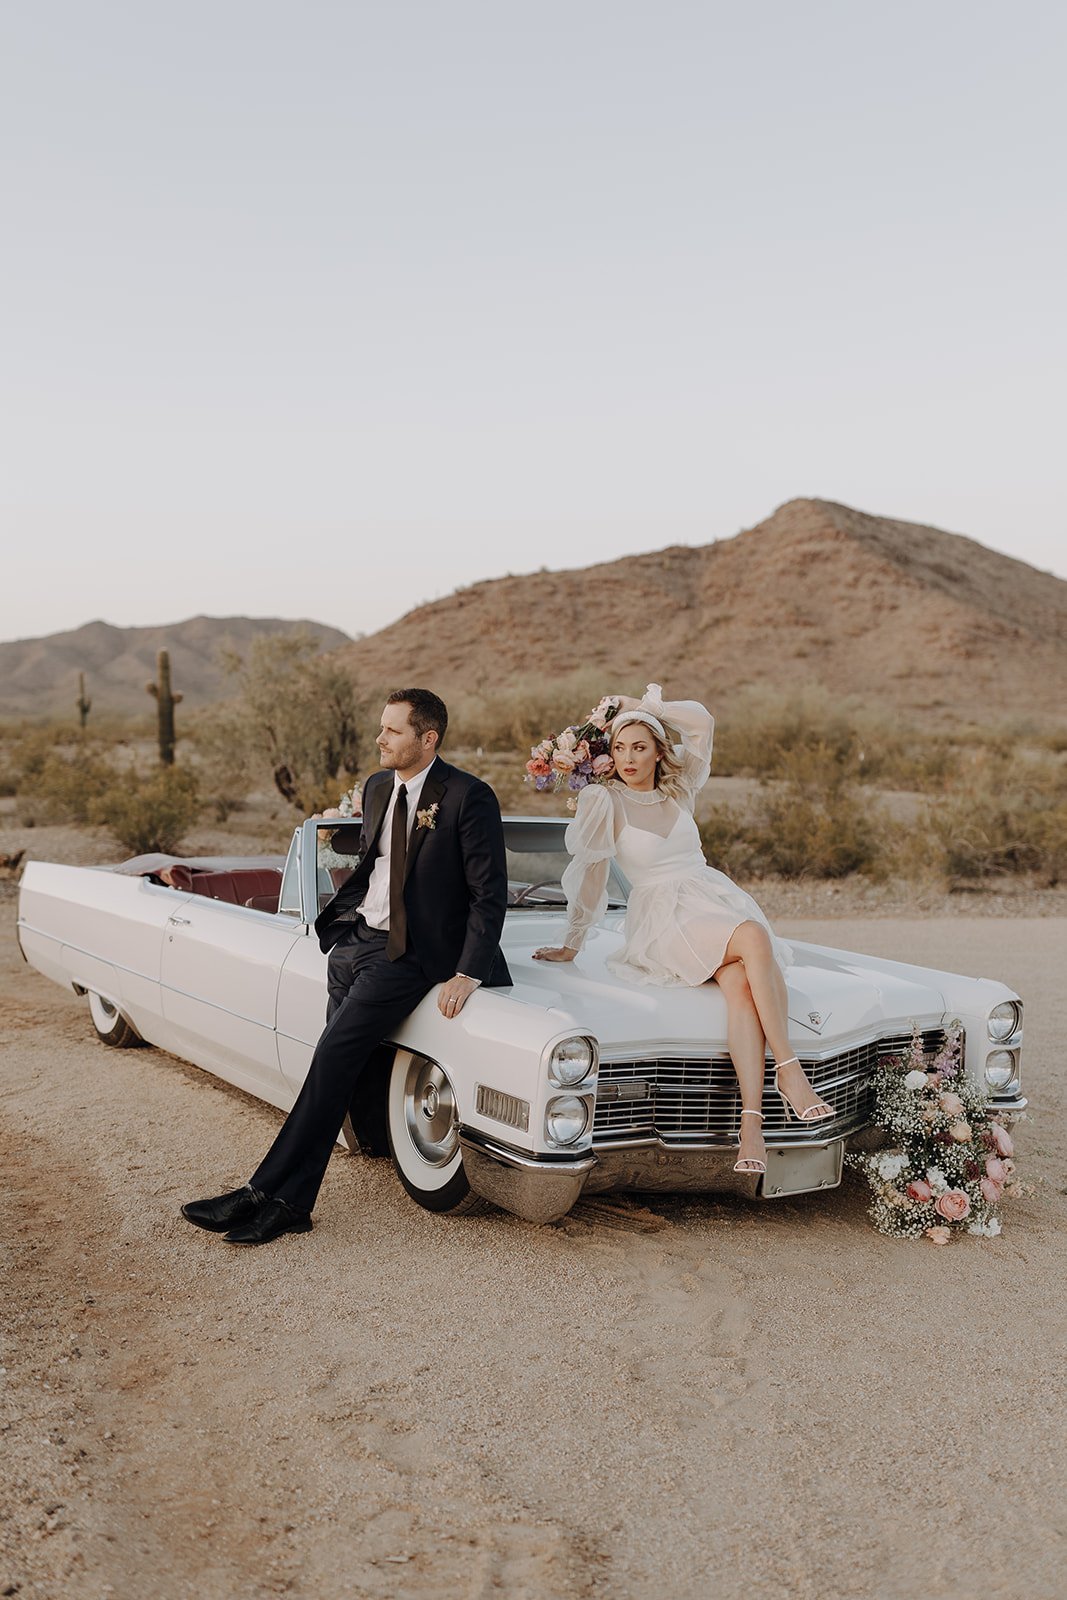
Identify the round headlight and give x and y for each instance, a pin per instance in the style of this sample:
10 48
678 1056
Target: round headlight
1003 1020
1000 1069
571 1062
566 1119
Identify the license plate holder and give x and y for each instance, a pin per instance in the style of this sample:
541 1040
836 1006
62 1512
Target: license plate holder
800 1169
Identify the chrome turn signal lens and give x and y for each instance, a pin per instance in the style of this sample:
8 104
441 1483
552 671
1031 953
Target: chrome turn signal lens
570 1062
1001 1068
1004 1020
566 1119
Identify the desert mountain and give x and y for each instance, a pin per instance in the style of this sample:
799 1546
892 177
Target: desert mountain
918 622
39 677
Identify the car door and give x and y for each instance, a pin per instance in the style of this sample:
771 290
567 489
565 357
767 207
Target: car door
219 980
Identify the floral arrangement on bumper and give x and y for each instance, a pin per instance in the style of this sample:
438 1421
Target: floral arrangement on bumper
579 755
952 1165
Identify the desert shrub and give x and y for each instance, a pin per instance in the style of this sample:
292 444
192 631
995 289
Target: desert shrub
989 834
762 729
512 717
760 733
32 749
805 834
814 823
728 839
147 814
224 764
61 785
296 713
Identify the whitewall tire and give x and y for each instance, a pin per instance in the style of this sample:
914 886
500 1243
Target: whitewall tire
423 1128
111 1026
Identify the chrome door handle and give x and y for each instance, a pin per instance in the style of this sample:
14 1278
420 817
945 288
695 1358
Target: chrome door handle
180 922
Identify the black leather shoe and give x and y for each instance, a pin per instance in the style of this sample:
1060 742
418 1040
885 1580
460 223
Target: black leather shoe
224 1210
272 1219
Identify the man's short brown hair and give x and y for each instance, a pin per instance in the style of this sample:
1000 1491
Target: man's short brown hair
428 711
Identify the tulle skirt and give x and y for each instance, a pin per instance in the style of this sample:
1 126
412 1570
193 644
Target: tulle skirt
678 927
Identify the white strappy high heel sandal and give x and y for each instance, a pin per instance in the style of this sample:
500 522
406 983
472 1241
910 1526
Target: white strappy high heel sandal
819 1112
749 1163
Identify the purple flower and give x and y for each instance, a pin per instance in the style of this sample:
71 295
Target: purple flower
542 783
576 781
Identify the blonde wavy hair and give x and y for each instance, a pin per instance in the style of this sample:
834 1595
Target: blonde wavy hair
669 765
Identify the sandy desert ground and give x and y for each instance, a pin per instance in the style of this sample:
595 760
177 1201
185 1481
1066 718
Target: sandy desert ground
685 1397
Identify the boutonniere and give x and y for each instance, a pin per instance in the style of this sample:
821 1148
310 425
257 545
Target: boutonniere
427 818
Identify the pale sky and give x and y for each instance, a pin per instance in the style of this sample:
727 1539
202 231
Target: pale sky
323 309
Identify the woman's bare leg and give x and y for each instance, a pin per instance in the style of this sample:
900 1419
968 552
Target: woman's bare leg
750 944
748 1051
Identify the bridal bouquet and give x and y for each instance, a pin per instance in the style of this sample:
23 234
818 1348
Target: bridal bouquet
579 755
952 1162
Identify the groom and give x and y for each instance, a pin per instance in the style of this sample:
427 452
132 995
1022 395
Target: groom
424 906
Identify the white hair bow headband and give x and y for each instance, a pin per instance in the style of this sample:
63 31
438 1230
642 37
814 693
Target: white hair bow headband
623 717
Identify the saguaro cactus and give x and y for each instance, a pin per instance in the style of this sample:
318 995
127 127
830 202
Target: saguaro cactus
83 704
165 700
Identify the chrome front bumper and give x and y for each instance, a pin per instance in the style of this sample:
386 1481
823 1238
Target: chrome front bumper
538 1189
542 1189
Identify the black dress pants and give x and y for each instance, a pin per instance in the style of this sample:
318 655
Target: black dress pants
380 994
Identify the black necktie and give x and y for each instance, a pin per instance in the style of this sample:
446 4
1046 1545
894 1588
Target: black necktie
396 944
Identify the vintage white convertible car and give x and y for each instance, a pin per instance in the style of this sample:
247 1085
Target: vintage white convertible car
568 1083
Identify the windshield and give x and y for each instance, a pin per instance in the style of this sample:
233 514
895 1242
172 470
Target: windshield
537 859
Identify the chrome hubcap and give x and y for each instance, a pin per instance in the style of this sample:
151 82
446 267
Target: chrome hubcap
430 1113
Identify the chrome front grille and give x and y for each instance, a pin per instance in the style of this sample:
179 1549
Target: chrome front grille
683 1102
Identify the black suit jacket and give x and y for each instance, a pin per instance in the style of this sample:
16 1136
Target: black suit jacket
455 878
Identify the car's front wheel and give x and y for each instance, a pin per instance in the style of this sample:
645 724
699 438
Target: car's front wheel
111 1026
423 1125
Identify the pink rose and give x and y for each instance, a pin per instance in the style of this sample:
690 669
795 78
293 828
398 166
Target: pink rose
953 1205
603 765
919 1189
1002 1139
1009 1167
581 750
991 1190
995 1169
951 1104
961 1132
538 768
331 811
939 1235
563 761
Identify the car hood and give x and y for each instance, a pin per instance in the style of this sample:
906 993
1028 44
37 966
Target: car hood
832 996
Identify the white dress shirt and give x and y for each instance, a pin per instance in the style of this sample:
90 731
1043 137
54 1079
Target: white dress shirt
375 907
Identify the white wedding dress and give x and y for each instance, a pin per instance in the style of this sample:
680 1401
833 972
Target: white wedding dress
681 912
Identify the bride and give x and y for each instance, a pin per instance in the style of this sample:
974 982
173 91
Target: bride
686 923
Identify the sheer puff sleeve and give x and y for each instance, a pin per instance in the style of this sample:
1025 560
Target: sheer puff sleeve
697 728
590 839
